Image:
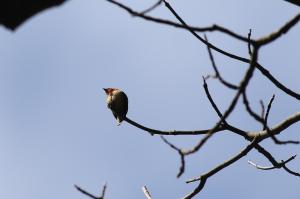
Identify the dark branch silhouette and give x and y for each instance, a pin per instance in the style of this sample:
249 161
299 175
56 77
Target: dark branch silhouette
280 165
173 132
91 195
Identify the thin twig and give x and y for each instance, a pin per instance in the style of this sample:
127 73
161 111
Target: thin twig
278 84
249 110
151 8
91 195
211 100
217 74
265 127
290 171
280 165
249 43
262 108
268 155
146 192
265 123
103 190
225 123
264 120
267 112
182 155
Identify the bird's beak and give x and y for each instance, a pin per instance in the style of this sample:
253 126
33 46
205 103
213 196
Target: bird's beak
106 91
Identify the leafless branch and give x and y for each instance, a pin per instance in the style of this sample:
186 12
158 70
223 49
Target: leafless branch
264 120
246 135
152 7
249 43
249 109
103 191
181 154
203 178
280 165
217 74
265 126
283 30
279 127
230 108
268 155
262 108
146 192
279 85
91 195
291 172
211 100
264 71
267 113
212 28
158 132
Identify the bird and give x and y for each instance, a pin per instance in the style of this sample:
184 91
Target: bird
117 102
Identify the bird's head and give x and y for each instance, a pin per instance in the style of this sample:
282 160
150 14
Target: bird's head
109 91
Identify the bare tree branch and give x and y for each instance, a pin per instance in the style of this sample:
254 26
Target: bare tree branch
91 195
278 128
263 151
249 42
265 124
249 109
291 172
181 154
217 74
203 178
265 72
103 190
230 108
279 85
158 132
212 28
152 7
262 108
146 192
280 165
283 30
244 134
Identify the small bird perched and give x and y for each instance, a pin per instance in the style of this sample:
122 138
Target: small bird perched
117 102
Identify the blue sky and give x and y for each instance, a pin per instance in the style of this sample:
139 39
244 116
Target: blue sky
55 128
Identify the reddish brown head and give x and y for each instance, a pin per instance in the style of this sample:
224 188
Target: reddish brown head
109 91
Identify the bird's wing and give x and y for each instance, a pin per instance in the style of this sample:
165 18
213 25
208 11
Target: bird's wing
115 115
125 107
